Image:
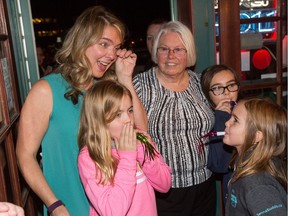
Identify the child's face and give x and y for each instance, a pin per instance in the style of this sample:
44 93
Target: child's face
223 79
124 116
235 130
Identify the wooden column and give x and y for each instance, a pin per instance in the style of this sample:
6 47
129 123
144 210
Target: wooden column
12 189
229 34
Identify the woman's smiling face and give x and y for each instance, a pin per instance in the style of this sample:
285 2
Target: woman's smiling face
102 54
171 63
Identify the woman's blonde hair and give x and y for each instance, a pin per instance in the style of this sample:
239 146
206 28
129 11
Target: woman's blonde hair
87 30
100 106
185 35
271 119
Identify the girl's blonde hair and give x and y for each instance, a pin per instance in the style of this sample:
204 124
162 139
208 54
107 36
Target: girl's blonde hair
100 107
271 119
87 30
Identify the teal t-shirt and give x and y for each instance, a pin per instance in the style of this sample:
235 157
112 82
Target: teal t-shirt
60 149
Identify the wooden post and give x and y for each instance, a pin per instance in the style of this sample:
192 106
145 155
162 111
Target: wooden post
229 34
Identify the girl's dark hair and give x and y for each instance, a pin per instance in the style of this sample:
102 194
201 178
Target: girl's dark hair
208 74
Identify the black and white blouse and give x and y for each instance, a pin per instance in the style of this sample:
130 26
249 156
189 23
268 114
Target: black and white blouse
176 122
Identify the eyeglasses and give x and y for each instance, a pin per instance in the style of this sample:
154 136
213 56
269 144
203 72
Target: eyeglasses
218 90
176 51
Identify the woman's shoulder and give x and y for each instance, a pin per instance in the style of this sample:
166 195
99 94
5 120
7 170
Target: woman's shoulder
53 77
56 81
145 74
193 75
41 89
147 79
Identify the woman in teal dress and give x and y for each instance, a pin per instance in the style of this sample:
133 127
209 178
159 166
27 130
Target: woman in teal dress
50 114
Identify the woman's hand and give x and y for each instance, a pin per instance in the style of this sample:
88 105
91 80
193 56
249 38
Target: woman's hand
124 65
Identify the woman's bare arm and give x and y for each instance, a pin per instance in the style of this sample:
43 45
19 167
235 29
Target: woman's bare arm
34 121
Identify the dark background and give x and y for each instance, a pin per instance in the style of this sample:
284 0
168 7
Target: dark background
136 14
59 15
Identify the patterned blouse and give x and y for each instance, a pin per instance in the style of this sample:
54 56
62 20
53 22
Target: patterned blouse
176 122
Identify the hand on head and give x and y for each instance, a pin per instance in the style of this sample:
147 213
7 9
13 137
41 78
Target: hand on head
125 64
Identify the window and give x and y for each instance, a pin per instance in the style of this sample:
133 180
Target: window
263 34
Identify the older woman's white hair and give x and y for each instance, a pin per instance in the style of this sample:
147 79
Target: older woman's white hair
185 35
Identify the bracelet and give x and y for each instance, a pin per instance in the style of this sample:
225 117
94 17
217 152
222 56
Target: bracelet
55 205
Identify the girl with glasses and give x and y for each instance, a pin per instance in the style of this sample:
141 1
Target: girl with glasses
220 84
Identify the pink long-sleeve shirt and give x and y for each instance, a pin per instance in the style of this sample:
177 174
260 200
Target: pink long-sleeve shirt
133 190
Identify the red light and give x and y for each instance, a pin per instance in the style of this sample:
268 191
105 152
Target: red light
261 59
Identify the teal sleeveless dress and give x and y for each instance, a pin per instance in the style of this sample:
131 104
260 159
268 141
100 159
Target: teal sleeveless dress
60 149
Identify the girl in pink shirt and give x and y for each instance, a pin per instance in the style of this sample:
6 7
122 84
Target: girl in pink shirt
119 165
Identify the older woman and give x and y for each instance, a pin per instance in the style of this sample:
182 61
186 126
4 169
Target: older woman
178 116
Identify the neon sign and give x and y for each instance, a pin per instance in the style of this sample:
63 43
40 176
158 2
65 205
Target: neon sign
250 3
254 4
250 9
257 27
